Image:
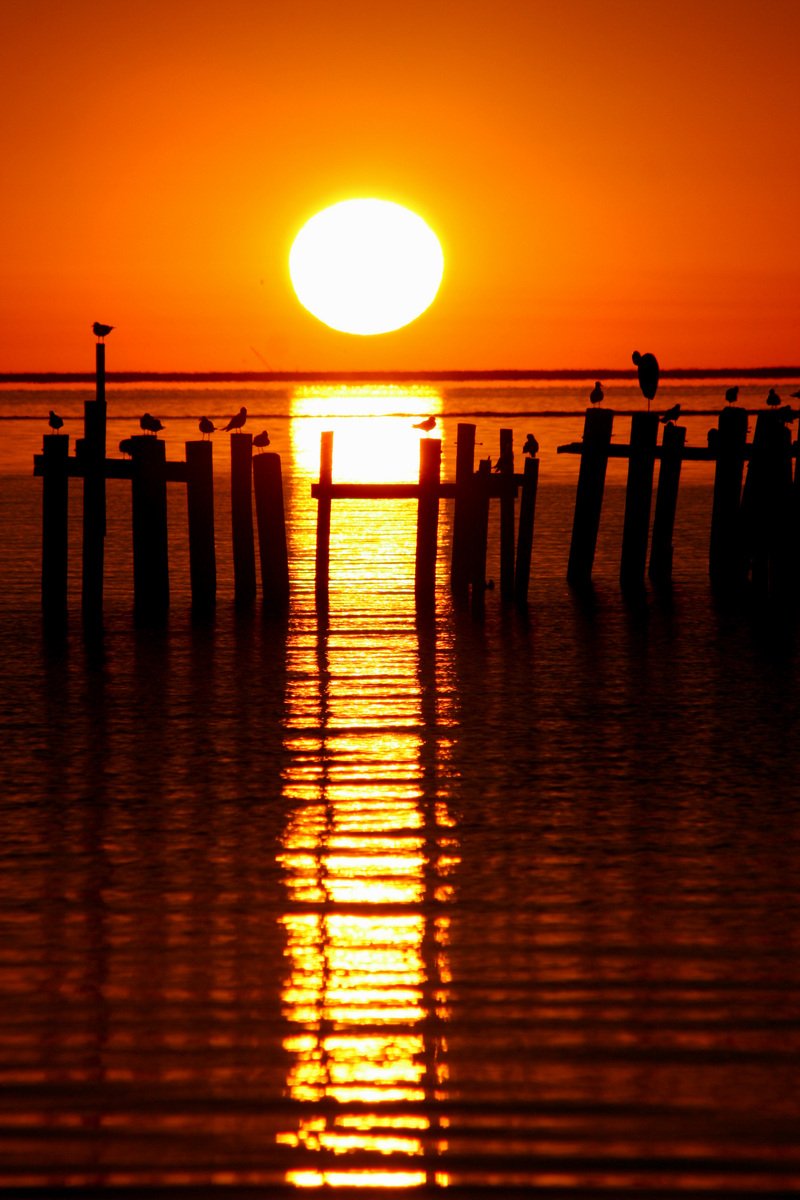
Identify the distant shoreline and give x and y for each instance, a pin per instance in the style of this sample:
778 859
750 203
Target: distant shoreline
391 376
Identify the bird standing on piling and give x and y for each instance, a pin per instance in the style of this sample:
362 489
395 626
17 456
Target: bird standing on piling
427 425
126 446
773 399
206 427
261 440
732 394
100 330
647 366
670 415
596 394
236 422
531 446
55 421
150 424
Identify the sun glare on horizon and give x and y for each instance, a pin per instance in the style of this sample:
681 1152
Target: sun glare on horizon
366 266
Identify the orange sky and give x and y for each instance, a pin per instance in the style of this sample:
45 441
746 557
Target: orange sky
603 174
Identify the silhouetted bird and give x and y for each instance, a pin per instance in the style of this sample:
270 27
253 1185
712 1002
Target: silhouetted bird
150 424
773 399
670 415
206 427
427 425
531 446
261 440
126 446
732 395
647 366
505 462
55 422
236 422
101 330
596 394
712 437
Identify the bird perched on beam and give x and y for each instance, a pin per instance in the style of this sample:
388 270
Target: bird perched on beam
596 394
261 440
427 425
150 424
237 421
773 399
55 421
100 330
126 446
531 446
670 415
647 366
206 427
732 394
505 462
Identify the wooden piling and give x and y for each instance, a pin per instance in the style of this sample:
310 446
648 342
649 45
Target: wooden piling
726 560
481 481
460 563
244 561
430 461
669 476
527 512
766 507
92 451
149 510
200 502
323 550
270 514
638 498
55 508
507 503
589 496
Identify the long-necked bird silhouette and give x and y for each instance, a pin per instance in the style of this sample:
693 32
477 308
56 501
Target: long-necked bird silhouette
596 394
206 427
647 366
100 330
773 399
670 415
427 425
55 421
150 424
261 440
531 446
732 394
236 422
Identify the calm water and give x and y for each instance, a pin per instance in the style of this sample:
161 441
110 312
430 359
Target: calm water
509 907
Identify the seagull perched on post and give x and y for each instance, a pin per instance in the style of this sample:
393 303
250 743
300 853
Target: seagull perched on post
670 415
596 394
236 422
150 424
647 366
100 330
773 399
427 425
206 427
732 394
531 446
55 421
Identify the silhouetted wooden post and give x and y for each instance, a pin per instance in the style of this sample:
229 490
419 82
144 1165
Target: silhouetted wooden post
527 512
638 498
589 496
481 481
92 452
507 498
149 510
55 509
460 563
766 504
323 551
200 502
669 476
244 561
726 559
430 462
271 518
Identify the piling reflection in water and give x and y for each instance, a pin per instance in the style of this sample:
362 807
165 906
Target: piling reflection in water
369 857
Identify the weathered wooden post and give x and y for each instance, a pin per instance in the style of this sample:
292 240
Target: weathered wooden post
244 561
726 559
92 452
481 482
507 499
527 512
430 462
271 518
638 498
589 496
460 563
766 504
323 550
669 476
149 511
55 510
200 502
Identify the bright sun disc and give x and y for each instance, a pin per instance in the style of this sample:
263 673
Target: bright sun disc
366 266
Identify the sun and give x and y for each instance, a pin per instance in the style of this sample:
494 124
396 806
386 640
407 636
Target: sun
366 266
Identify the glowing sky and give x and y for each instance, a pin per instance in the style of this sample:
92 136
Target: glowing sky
603 174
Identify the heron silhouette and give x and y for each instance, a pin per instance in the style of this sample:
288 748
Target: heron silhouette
647 367
150 424
55 421
206 427
427 425
237 421
596 394
261 440
100 330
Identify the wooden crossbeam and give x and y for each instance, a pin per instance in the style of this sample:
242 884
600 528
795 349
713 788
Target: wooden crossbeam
688 454
113 468
498 486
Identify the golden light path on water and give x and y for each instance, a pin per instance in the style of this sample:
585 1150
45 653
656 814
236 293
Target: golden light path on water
369 853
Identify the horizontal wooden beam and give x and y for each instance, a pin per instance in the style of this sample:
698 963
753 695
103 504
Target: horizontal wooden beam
688 454
403 491
114 468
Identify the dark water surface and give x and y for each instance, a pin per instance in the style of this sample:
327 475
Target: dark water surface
392 907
